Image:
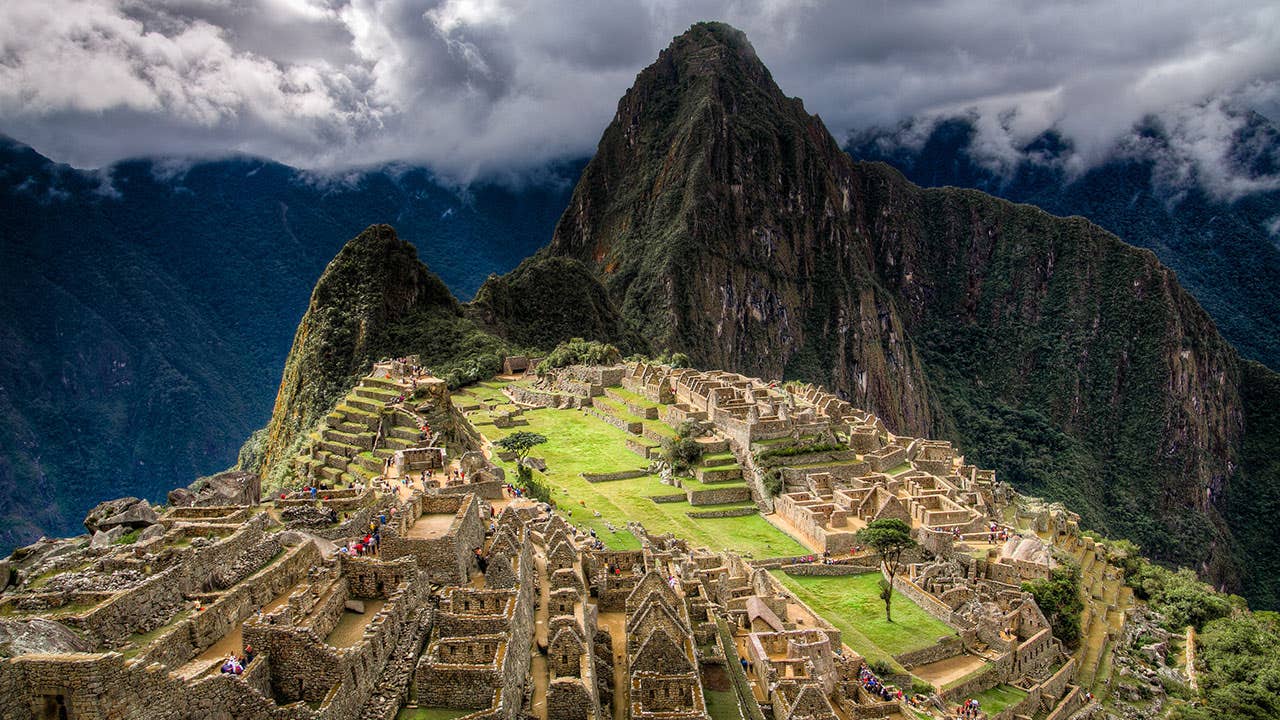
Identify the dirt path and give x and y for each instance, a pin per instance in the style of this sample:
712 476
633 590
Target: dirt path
945 671
1190 660
615 623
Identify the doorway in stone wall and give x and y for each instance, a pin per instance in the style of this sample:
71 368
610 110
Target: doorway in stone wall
52 707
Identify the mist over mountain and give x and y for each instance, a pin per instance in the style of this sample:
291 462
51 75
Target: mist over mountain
1206 203
148 307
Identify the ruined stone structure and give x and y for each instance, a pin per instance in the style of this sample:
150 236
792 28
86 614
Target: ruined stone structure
395 586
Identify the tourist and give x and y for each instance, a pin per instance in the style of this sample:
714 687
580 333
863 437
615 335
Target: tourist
248 654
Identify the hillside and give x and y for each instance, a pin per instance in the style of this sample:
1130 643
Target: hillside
726 223
1223 247
148 308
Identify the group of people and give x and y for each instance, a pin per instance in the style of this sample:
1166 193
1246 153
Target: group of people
367 545
235 665
970 710
873 685
995 532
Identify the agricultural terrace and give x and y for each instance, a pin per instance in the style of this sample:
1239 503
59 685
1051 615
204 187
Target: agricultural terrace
579 442
852 603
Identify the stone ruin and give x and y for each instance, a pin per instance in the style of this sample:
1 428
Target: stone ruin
497 608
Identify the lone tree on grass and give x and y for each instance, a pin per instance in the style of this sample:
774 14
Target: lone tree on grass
521 443
889 537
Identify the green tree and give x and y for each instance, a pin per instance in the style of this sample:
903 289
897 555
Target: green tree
1059 599
521 443
889 538
683 451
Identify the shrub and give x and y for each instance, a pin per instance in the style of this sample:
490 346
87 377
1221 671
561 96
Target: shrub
773 481
881 668
581 352
1179 596
683 451
1059 599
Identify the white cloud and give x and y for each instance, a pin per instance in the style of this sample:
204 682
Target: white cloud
496 86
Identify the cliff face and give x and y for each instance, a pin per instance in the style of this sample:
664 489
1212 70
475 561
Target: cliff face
726 223
717 213
1068 360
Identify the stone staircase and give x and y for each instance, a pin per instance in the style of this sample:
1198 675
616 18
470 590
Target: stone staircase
358 435
1107 601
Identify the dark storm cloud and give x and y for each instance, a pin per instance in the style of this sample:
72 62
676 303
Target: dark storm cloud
496 86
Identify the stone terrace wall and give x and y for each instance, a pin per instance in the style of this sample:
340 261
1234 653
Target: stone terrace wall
106 686
157 599
191 636
927 602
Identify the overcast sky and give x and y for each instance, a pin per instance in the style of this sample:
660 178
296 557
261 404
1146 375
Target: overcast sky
489 87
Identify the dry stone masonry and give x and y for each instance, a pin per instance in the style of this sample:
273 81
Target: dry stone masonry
400 571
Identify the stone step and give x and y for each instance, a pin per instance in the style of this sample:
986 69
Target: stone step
359 416
719 474
349 427
378 394
328 472
716 459
713 445
368 462
339 448
641 409
397 443
718 495
365 404
404 433
380 383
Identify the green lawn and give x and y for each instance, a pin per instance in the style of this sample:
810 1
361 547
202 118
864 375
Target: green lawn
998 698
852 603
578 442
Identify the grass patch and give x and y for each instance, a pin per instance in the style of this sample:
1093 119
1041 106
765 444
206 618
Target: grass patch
578 442
852 603
995 699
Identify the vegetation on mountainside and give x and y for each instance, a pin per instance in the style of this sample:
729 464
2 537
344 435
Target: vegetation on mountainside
1238 661
147 310
375 300
1222 249
546 301
577 351
1251 501
1060 381
1059 599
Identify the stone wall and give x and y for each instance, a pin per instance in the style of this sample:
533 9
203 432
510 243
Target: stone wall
193 635
608 477
446 559
945 648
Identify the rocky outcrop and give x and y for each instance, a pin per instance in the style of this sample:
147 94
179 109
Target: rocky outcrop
127 512
233 487
38 635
